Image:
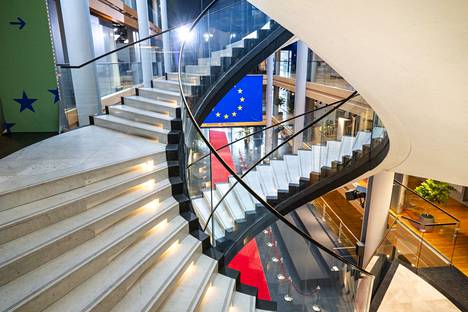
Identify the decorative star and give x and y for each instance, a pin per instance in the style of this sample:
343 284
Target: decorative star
239 107
240 91
8 126
234 114
226 116
56 95
242 99
26 103
218 114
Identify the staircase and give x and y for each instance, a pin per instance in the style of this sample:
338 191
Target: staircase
275 180
115 238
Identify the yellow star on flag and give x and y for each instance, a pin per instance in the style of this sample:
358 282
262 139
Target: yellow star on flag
239 107
240 91
242 99
218 114
234 114
226 116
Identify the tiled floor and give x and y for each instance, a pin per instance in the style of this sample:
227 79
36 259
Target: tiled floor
75 151
408 292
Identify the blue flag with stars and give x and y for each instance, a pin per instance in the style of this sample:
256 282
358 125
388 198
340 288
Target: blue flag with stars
243 103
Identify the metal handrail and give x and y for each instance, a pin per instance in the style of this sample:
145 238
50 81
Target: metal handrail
274 150
342 224
118 49
264 129
229 169
429 202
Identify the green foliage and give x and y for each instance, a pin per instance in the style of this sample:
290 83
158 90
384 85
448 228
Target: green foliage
434 191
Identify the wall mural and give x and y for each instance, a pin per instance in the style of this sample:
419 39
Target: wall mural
28 89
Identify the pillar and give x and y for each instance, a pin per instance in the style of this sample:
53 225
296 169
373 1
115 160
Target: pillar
300 92
313 67
269 102
165 37
80 48
277 62
145 46
379 195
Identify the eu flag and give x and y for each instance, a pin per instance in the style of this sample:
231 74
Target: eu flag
243 103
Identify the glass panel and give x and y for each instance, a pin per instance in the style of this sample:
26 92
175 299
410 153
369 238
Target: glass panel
86 89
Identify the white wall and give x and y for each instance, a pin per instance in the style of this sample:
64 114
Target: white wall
409 60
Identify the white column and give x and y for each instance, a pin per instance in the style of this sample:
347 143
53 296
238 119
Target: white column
379 195
80 48
300 95
145 46
269 101
313 67
166 39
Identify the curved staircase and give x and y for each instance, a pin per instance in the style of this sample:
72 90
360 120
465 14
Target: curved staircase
116 238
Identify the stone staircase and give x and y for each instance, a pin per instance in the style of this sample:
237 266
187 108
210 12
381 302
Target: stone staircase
116 238
273 181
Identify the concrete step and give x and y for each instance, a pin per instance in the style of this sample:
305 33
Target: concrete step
132 127
159 120
230 201
25 219
206 61
190 288
186 78
221 213
153 105
294 168
198 69
173 85
161 94
51 281
24 254
281 174
203 211
70 181
160 248
242 303
267 180
218 296
148 293
243 196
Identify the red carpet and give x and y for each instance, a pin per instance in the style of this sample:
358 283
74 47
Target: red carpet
248 262
219 173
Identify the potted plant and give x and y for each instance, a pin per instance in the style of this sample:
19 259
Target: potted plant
434 191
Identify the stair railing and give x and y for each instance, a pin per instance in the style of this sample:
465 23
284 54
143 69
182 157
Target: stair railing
192 127
268 154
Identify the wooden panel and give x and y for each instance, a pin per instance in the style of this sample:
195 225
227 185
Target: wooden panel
105 11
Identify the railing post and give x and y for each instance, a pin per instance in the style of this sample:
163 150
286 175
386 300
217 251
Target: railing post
340 229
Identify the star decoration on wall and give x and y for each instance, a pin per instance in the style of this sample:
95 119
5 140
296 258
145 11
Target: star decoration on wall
7 126
56 95
26 103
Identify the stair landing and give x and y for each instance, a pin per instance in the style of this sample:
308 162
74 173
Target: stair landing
70 153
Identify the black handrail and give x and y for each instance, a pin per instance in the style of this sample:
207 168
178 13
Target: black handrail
431 203
264 129
229 169
274 150
118 49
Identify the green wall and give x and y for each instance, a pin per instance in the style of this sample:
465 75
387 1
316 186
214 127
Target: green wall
27 65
